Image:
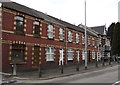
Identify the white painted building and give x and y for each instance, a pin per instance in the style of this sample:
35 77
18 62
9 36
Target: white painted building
119 11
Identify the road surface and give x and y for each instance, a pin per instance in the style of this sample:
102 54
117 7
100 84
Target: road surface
107 75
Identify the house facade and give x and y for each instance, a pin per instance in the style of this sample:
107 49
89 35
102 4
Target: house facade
30 38
103 42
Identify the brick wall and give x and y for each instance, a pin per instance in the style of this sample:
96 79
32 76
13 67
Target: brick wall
10 38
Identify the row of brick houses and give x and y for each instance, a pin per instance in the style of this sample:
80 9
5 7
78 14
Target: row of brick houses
32 38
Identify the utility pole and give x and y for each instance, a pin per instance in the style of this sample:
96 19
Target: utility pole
85 40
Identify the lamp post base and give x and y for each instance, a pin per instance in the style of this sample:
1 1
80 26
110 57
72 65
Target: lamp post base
86 68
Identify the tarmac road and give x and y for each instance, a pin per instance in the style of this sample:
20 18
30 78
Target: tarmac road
107 75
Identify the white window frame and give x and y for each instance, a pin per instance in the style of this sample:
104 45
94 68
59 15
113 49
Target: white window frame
70 36
77 38
70 53
83 39
49 54
50 31
88 40
93 54
83 55
61 34
93 41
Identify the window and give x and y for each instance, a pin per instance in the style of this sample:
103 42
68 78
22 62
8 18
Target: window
50 31
93 41
88 40
70 54
61 34
83 39
49 54
37 27
77 38
69 36
36 53
93 54
83 55
19 24
18 52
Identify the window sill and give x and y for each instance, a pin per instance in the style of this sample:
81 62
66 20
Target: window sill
61 40
51 38
36 36
70 60
19 33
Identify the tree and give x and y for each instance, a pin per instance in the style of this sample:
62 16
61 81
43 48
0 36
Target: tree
110 31
116 40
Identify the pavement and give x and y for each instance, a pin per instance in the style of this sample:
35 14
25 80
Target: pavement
47 74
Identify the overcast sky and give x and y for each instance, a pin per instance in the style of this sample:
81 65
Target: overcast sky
99 12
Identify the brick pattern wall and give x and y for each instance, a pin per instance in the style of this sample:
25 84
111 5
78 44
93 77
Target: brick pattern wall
9 38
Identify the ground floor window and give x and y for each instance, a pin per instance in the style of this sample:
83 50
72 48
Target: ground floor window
49 54
18 52
70 54
83 55
93 54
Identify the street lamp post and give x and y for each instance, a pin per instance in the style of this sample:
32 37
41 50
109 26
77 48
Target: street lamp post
85 40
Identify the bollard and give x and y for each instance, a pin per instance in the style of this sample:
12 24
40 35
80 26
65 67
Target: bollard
103 63
96 63
77 66
61 68
14 69
40 73
109 61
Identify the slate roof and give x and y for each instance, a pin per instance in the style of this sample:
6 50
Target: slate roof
29 11
99 29
71 26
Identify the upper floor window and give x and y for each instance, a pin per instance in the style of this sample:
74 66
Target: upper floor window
61 34
50 31
70 54
20 24
69 36
49 54
83 39
77 38
37 27
88 40
93 41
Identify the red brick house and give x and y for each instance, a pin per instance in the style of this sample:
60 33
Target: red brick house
32 38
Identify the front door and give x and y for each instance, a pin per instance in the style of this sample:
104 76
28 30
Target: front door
36 56
61 57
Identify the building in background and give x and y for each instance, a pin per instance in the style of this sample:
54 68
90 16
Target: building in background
103 43
119 11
